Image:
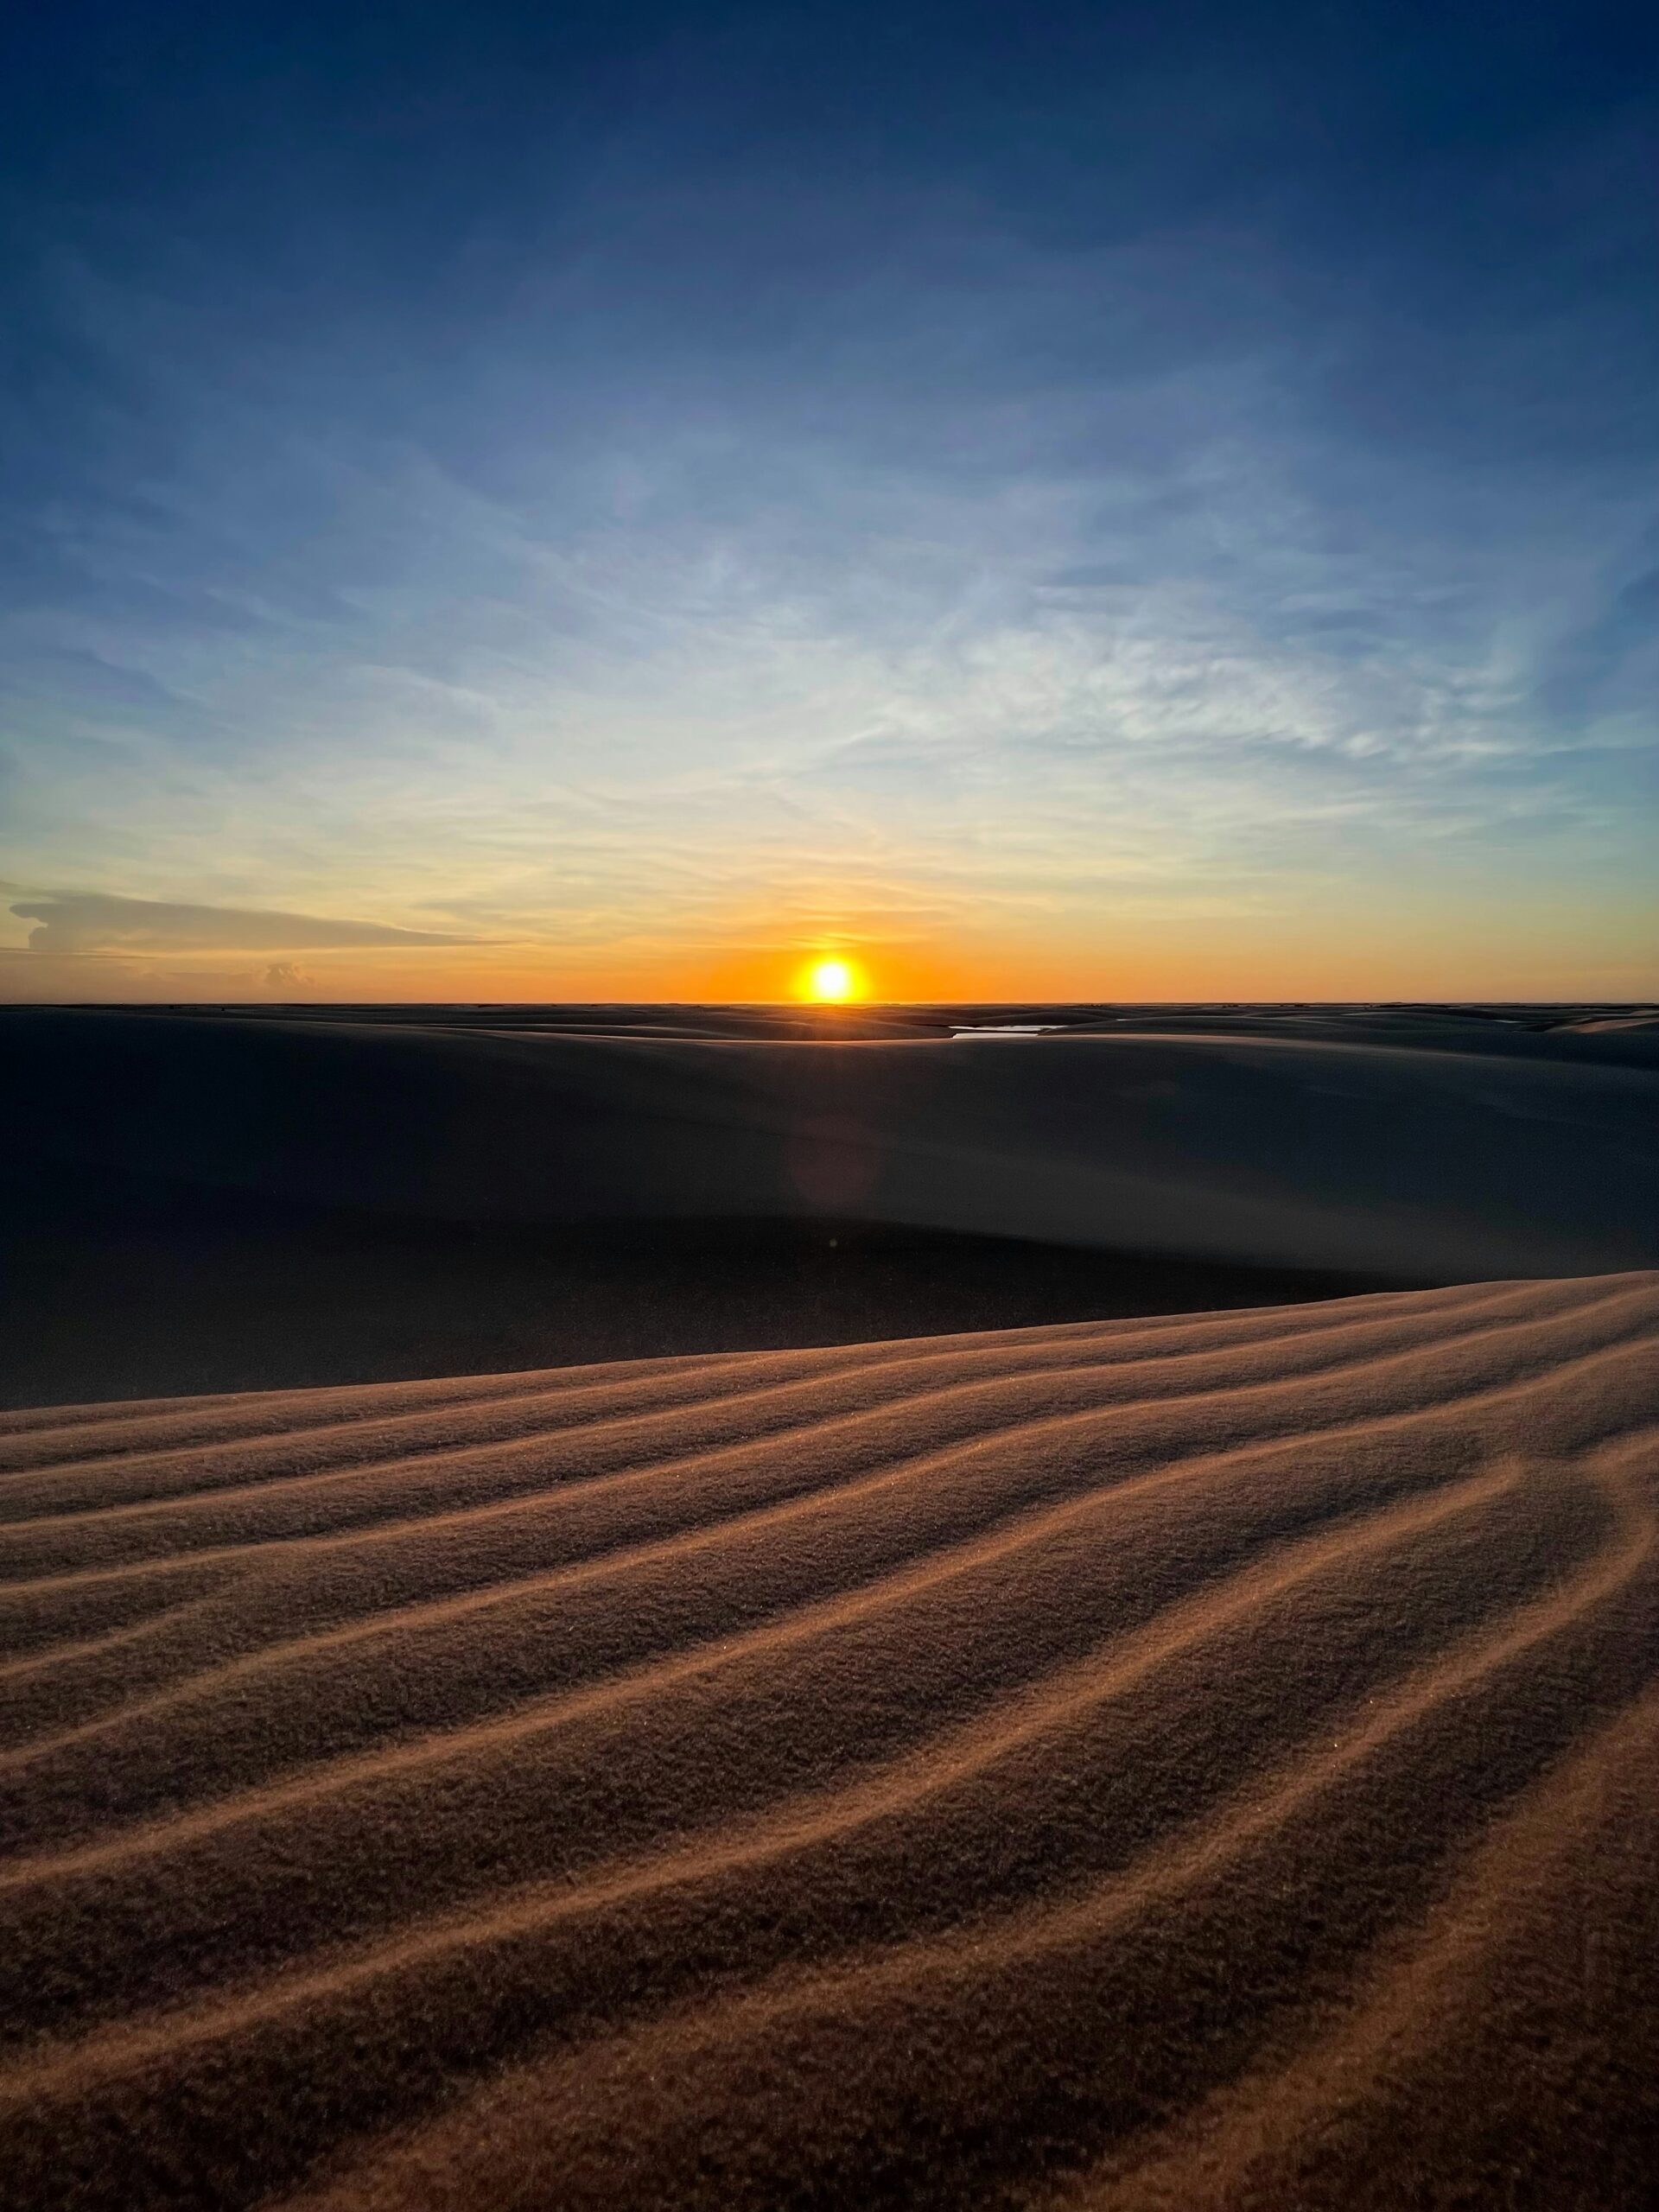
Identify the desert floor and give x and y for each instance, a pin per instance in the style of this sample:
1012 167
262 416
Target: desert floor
657 1609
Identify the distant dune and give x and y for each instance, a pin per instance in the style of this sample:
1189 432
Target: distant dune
210 1201
1431 1146
1206 1762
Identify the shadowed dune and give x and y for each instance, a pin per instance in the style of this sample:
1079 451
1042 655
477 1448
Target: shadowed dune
1404 1149
253 1199
1207 1760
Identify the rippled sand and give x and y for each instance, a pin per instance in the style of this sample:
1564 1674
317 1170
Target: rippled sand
1201 1762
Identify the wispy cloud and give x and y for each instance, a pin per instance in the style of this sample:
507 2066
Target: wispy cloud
717 543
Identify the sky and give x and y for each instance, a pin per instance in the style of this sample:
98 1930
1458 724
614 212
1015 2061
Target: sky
600 502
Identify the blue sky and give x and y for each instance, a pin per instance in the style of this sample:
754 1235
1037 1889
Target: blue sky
1106 501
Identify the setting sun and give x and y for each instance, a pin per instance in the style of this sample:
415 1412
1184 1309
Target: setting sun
830 980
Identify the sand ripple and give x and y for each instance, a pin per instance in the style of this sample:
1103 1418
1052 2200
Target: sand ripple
1204 1762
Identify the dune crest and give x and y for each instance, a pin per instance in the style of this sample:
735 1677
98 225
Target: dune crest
1201 1761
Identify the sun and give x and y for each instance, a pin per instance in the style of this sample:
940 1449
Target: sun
830 981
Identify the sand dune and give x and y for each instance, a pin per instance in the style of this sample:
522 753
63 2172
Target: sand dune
1426 1150
1207 1761
215 1201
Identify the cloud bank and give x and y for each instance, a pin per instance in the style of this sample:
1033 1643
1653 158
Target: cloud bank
89 922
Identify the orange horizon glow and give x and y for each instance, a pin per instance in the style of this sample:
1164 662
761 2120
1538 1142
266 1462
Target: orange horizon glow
757 981
1474 950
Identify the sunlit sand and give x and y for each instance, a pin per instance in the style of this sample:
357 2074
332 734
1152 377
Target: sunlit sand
1194 1763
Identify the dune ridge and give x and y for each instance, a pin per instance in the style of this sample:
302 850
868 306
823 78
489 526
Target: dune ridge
1199 1761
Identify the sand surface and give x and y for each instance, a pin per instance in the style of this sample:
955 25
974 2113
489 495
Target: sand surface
1453 1150
210 1201
1202 1761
